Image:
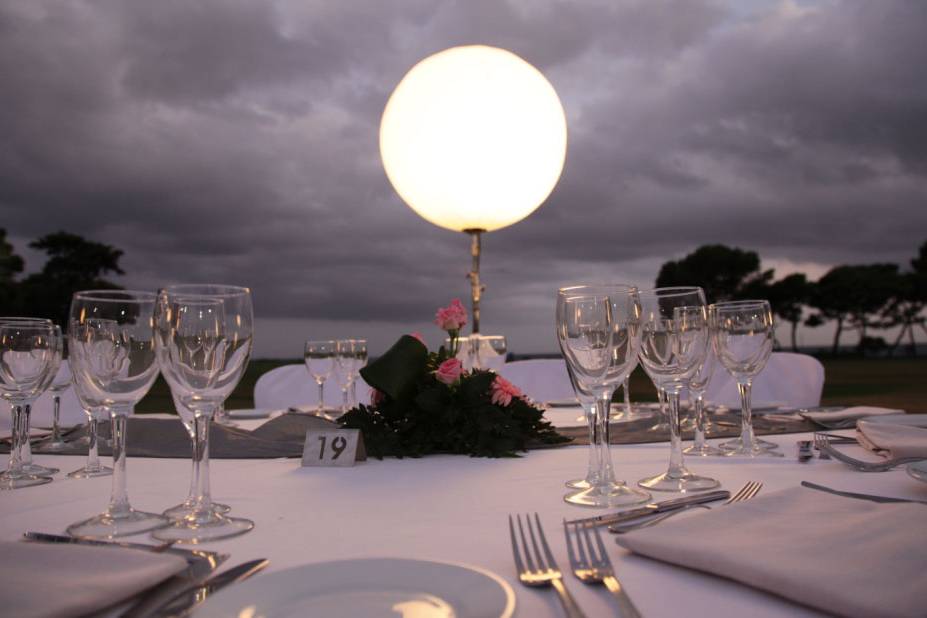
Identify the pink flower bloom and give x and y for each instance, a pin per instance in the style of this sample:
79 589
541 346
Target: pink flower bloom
418 336
453 317
449 371
376 397
503 391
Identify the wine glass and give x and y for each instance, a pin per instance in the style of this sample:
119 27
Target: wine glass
587 402
697 385
197 354
238 328
742 334
490 351
597 329
60 383
95 412
29 355
674 340
112 352
351 356
320 362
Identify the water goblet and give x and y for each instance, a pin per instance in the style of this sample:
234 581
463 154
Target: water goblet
59 384
351 356
239 320
112 352
742 335
29 355
674 340
320 359
597 329
697 385
95 412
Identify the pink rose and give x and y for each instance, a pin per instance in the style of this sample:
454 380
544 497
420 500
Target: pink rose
503 391
449 371
376 397
453 317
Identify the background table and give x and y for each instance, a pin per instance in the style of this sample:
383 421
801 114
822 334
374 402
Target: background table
443 508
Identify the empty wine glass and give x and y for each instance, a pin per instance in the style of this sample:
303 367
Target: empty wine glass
742 334
59 384
697 386
489 351
320 362
587 402
95 412
112 351
597 329
29 355
674 339
197 354
238 328
352 356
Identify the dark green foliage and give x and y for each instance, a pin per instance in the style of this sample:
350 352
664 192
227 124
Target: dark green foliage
426 416
723 272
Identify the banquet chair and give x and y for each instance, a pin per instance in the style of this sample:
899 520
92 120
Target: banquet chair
543 380
71 412
291 385
789 379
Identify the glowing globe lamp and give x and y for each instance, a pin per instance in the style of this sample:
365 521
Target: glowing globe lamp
473 139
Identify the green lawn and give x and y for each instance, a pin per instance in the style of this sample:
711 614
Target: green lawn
893 383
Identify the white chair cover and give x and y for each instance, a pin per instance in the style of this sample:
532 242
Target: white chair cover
71 412
542 380
291 385
789 379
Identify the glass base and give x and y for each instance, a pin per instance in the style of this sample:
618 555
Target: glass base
55 447
89 473
18 481
737 448
609 495
105 526
210 527
37 470
703 451
681 481
188 508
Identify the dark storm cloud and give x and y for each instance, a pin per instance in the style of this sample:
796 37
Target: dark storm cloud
238 141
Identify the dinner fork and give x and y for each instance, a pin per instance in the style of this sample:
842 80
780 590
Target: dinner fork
823 444
591 565
749 490
540 569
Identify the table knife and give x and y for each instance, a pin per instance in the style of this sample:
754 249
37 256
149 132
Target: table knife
858 496
653 508
214 558
193 595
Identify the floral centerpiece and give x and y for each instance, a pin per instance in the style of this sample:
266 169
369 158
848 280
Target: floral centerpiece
426 402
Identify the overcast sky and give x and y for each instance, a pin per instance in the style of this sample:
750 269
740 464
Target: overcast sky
237 141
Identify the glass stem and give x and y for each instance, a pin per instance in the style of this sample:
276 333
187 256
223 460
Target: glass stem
93 455
746 427
321 384
592 472
354 392
203 502
699 422
26 448
194 471
56 412
676 466
627 395
119 497
15 467
605 472
344 399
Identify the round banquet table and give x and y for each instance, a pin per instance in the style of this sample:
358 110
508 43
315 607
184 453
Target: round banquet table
444 508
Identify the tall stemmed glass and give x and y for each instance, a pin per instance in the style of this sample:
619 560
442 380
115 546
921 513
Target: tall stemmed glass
198 518
674 340
29 357
697 386
587 402
60 383
95 412
319 357
111 341
742 334
352 356
597 329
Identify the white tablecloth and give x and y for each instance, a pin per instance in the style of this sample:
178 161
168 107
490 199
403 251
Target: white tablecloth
443 508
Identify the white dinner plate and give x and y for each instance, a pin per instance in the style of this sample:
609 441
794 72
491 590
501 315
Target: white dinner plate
909 420
251 413
371 587
918 469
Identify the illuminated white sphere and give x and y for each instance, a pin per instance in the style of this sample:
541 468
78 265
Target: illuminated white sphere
473 138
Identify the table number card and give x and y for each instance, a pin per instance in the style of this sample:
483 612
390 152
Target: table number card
330 447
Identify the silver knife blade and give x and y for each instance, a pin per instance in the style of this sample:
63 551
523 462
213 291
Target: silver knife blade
214 558
850 494
652 508
194 595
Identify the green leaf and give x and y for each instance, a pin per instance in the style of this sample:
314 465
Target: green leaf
396 372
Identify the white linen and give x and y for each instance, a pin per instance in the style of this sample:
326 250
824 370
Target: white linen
445 508
57 580
793 380
70 413
291 385
892 440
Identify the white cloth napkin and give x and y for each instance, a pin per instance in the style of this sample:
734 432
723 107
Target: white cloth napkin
846 414
841 555
892 440
62 580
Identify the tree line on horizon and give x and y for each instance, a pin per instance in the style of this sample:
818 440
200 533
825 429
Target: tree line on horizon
860 298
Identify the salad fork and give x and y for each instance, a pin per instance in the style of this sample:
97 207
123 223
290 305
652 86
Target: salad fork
540 569
823 444
591 565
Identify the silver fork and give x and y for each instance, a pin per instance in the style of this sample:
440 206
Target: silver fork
540 569
591 565
823 444
749 490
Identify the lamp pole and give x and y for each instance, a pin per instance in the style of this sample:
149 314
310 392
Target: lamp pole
476 289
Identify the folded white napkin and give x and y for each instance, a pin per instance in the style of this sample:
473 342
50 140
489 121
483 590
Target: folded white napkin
841 555
61 580
846 414
892 440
